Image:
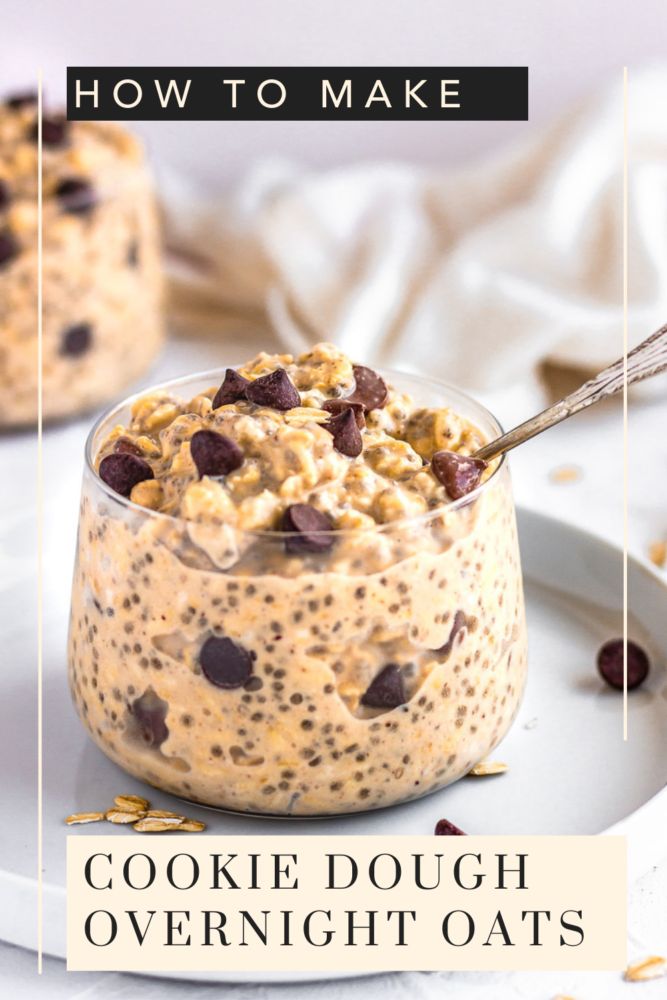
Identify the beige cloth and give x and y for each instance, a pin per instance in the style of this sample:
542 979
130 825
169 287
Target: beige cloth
474 275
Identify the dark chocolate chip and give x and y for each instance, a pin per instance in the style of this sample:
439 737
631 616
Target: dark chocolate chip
76 196
214 454
122 471
4 194
8 247
610 664
133 254
458 624
54 130
309 529
232 389
225 663
459 474
274 390
443 828
337 406
386 690
21 100
370 389
150 712
125 444
76 340
346 434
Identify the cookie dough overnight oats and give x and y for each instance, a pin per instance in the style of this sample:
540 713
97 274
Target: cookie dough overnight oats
102 283
294 594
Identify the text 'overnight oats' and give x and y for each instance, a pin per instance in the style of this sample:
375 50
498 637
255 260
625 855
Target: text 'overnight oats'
101 270
296 592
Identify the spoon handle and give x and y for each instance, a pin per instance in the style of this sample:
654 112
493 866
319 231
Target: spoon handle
646 359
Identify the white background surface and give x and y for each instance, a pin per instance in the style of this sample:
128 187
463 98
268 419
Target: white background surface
569 46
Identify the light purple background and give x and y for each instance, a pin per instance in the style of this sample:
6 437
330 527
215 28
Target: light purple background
569 45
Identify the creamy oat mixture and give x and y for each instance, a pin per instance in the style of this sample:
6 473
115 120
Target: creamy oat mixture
102 283
301 620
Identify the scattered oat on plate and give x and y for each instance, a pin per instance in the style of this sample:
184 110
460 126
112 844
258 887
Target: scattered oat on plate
486 767
91 817
566 474
657 553
649 968
134 811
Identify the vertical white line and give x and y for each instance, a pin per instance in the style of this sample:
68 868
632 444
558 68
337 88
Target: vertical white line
625 402
40 506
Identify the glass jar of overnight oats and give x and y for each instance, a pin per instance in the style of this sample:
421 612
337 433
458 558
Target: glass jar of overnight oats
294 594
102 279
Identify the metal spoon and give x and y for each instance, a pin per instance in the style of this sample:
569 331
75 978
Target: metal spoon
647 359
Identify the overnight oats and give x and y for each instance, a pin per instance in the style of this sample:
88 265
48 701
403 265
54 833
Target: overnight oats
102 277
295 593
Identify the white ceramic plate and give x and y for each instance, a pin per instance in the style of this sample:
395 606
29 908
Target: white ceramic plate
569 769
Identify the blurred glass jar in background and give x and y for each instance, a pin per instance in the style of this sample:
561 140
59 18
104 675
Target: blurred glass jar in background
102 277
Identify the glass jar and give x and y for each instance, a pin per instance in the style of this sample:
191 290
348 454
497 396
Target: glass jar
436 599
102 284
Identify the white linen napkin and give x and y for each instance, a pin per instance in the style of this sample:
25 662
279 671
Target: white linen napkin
475 276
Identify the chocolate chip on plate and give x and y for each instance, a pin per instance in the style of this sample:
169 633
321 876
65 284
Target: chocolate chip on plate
150 712
232 389
8 248
459 474
76 340
370 389
309 529
337 406
215 454
386 690
54 130
346 434
4 194
76 196
610 664
122 471
443 828
225 663
21 100
275 390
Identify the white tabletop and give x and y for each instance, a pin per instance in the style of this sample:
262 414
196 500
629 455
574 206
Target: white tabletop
592 441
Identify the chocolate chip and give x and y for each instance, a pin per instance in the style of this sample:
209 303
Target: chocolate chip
274 390
386 690
125 444
133 254
458 624
76 340
309 528
443 828
370 390
232 389
122 471
225 663
21 100
150 712
337 406
76 196
346 434
54 130
214 454
4 194
610 664
459 474
8 247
